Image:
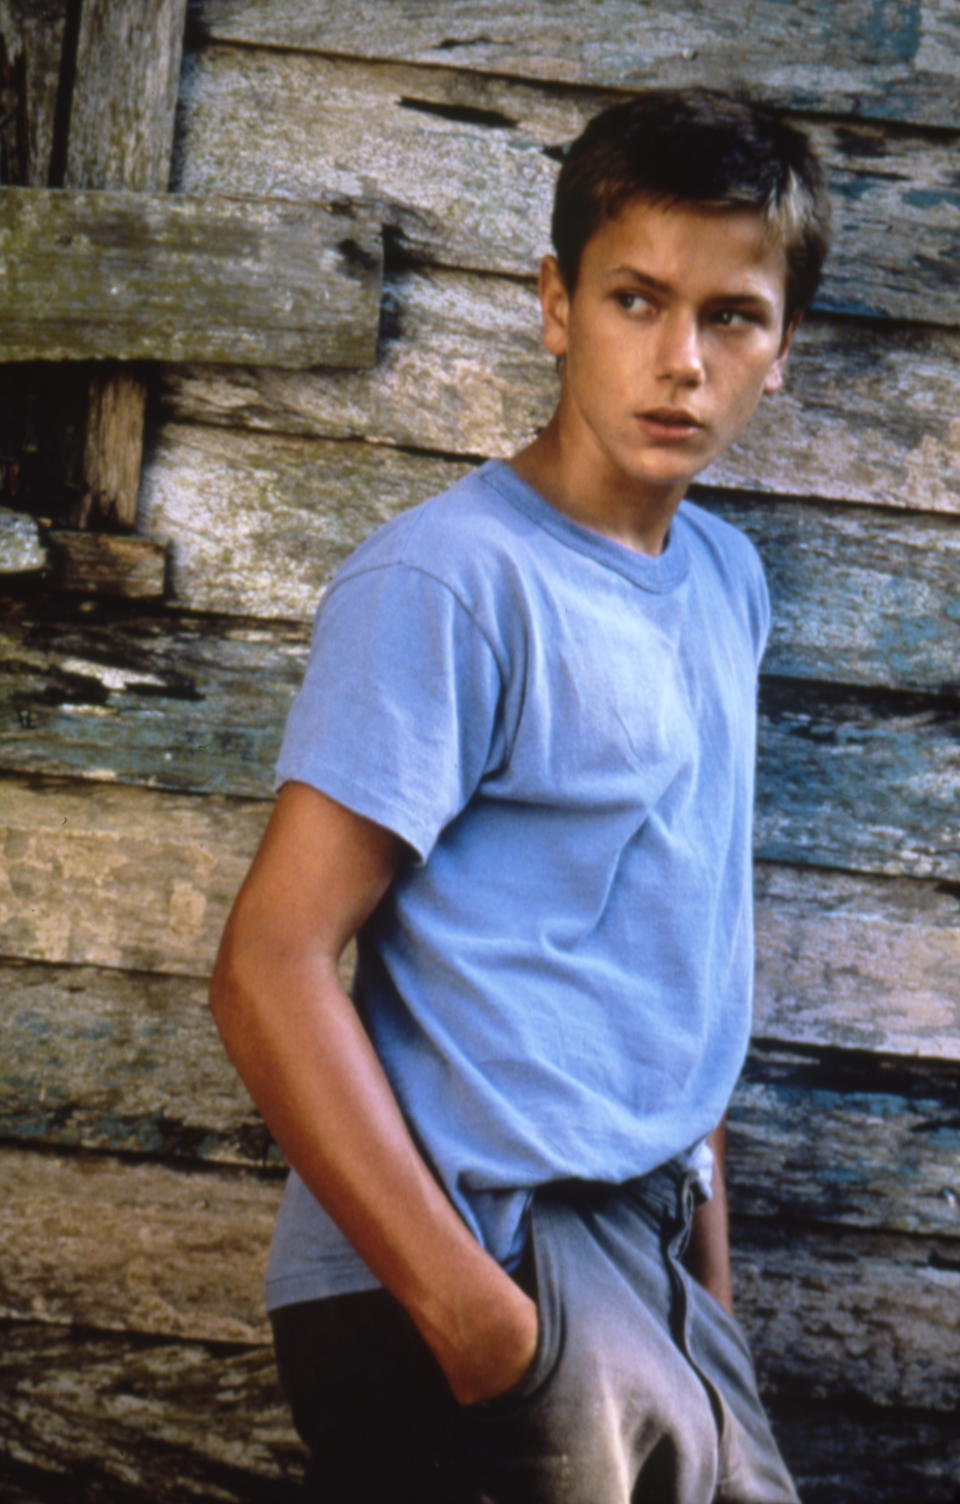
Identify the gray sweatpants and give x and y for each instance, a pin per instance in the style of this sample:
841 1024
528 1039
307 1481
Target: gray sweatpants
641 1391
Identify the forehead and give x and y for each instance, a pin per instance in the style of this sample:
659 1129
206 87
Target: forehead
695 249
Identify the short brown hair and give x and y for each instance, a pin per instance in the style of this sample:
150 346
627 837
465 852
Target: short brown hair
696 146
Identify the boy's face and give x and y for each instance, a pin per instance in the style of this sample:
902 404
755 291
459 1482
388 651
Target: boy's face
671 335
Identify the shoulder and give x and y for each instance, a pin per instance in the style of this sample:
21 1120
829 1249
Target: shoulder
729 566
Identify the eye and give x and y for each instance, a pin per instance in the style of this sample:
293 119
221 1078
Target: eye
632 301
735 318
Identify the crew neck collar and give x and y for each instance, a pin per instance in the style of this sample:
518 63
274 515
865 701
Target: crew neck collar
660 572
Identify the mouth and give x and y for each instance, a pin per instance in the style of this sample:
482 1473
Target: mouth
670 423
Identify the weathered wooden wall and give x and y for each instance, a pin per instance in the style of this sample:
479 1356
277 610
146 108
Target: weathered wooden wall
137 730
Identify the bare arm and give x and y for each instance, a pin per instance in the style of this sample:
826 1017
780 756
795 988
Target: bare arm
708 1256
297 1042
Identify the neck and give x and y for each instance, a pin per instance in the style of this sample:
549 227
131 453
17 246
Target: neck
633 514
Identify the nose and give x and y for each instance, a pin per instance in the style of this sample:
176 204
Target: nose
680 353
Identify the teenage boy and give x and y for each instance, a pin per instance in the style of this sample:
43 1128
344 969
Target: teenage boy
520 772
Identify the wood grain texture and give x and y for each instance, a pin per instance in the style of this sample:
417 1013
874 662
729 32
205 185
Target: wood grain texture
125 1062
92 1241
896 62
31 44
846 1140
279 514
138 276
857 962
118 876
461 168
96 1242
107 564
125 94
875 1316
122 107
847 778
100 1417
867 415
132 1064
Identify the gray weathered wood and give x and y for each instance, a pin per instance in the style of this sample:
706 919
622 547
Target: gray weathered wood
126 1062
31 38
108 564
140 276
847 778
114 1412
125 94
279 513
122 109
103 1417
859 780
857 962
135 1247
97 1242
897 63
132 1064
460 168
849 1140
870 1315
867 414
21 546
120 877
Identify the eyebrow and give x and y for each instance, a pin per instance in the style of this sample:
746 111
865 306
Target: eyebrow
731 299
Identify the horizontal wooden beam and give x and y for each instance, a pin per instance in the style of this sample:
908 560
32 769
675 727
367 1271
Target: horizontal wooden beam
132 1064
94 1242
91 275
860 596
108 564
163 1421
866 414
134 1406
462 167
899 67
847 777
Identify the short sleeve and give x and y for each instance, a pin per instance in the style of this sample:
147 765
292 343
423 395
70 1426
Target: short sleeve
398 714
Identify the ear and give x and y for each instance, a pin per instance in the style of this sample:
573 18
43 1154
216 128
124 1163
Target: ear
774 377
555 306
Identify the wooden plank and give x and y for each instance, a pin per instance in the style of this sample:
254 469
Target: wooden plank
139 276
127 1420
131 1064
854 779
279 515
898 62
21 548
108 564
125 95
104 1243
31 44
847 778
866 416
188 704
93 1242
849 1140
106 875
462 167
120 877
860 596
126 1062
858 963
871 1315
98 1416
122 109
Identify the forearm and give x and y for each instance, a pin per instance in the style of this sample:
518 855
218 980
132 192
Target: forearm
708 1255
301 1049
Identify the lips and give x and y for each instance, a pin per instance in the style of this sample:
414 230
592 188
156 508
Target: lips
670 423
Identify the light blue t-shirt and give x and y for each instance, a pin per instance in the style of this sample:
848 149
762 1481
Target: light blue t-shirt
562 731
